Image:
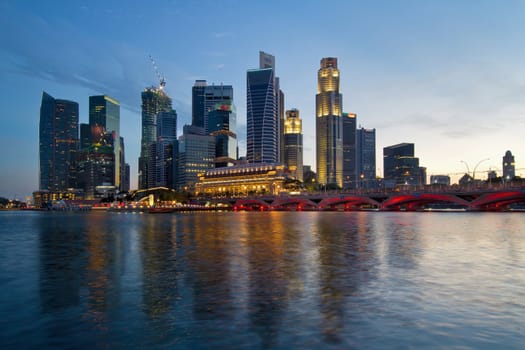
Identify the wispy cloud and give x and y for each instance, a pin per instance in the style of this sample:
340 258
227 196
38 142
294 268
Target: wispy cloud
220 35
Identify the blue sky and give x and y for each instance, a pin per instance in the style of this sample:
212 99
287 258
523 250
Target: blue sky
447 75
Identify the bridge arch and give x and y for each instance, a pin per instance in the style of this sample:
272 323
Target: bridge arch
250 205
497 201
348 203
419 200
293 203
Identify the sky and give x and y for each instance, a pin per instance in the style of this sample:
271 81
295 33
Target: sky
446 75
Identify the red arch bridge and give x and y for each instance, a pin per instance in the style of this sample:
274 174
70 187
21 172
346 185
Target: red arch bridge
467 201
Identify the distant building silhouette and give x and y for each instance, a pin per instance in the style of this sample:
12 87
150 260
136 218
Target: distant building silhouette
196 154
366 157
222 122
349 151
164 152
509 169
329 124
197 103
401 166
58 143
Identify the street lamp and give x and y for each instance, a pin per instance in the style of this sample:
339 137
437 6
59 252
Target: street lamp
466 164
474 172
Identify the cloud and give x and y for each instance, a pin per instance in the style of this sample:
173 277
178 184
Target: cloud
220 35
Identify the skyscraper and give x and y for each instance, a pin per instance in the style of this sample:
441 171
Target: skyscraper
104 115
263 123
222 122
196 154
154 100
329 124
215 95
349 151
509 169
293 144
58 136
366 157
163 152
197 103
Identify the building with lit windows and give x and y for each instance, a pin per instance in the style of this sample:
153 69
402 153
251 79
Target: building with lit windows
293 144
401 166
104 115
242 180
58 144
509 168
197 103
164 151
265 113
96 167
222 122
366 157
196 154
349 151
154 100
329 124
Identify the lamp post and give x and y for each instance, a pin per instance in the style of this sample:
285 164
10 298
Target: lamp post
466 164
474 172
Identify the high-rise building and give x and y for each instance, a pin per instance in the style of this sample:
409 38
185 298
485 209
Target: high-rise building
196 154
349 151
401 166
293 144
104 115
265 113
329 124
58 136
164 151
96 167
366 157
509 169
222 122
154 100
197 103
215 95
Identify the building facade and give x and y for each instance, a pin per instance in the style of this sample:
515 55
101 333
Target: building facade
154 100
329 124
96 167
196 154
58 144
293 144
349 151
401 166
164 151
197 103
222 122
104 115
366 157
509 168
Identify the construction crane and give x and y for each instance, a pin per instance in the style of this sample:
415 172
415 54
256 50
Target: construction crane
162 81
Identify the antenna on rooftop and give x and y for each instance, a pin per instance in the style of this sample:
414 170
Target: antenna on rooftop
162 81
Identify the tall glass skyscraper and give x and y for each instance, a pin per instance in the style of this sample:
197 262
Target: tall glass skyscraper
197 103
329 124
401 166
366 157
293 144
222 122
104 115
164 151
58 137
154 100
349 150
196 155
264 125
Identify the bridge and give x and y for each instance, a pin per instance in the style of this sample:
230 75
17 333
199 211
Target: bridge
501 200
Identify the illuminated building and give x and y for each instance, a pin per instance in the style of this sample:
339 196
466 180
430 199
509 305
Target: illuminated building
509 169
242 180
293 144
265 113
154 100
349 151
366 157
196 154
104 115
58 137
222 121
329 124
96 167
205 98
443 180
401 166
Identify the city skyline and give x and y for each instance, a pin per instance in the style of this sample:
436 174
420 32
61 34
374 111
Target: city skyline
445 76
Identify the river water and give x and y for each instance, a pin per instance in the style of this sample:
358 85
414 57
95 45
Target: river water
262 280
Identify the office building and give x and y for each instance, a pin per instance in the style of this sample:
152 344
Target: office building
222 122
349 151
401 166
197 103
293 144
164 151
104 115
329 125
58 143
265 113
154 100
366 157
509 168
196 154
96 167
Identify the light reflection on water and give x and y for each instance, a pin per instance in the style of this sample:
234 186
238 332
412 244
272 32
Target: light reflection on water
273 280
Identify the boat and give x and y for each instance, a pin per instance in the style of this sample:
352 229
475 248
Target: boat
160 210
